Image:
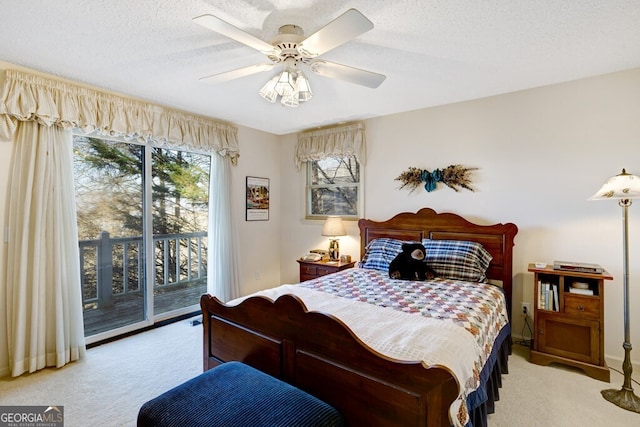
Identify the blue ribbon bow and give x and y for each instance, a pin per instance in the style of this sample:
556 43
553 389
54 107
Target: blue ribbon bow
431 179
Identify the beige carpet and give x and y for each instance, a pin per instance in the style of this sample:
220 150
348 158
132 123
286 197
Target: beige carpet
557 396
109 385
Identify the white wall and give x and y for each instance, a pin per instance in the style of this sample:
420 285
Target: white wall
541 153
259 241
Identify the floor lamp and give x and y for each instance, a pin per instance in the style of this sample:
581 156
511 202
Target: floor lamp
623 187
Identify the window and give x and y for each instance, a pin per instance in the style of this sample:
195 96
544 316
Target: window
333 187
124 193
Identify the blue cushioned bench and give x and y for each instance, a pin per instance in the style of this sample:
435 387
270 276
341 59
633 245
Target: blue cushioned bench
236 395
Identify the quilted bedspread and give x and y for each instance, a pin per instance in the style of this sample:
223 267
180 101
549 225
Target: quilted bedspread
478 307
441 322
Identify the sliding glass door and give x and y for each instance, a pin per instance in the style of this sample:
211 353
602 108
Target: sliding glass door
142 222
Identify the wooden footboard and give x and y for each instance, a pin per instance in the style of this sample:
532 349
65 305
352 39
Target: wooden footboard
319 354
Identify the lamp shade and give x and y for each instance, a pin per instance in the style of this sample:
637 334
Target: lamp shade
334 226
286 84
290 100
621 186
268 91
303 88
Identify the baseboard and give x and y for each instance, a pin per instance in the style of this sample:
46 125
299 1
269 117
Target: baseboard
519 339
615 363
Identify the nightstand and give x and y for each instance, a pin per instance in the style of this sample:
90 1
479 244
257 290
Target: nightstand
569 320
311 270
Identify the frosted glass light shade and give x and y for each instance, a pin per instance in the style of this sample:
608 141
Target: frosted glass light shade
302 87
285 84
622 186
334 226
290 100
268 91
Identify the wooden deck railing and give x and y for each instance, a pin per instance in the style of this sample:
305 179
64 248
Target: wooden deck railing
115 266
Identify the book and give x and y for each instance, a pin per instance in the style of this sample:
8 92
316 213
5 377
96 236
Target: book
540 294
556 306
546 296
580 291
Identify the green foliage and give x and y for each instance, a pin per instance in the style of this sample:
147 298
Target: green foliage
110 188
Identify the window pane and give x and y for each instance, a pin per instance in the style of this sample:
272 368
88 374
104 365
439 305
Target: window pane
109 195
334 170
335 201
180 216
333 187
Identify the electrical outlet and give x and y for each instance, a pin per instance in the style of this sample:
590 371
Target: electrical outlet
526 309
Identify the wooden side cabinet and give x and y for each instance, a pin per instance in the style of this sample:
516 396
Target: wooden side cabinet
311 270
569 326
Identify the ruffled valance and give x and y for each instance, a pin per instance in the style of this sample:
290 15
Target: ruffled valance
27 97
339 141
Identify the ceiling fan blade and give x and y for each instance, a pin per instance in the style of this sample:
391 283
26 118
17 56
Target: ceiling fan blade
346 73
223 27
345 27
236 74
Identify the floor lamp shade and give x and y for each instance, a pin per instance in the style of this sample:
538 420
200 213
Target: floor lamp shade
623 187
334 227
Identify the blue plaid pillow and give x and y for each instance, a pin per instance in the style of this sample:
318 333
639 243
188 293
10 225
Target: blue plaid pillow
457 259
380 252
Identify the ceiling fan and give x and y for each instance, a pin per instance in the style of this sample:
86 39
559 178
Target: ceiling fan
292 50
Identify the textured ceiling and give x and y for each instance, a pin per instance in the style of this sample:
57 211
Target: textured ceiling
433 52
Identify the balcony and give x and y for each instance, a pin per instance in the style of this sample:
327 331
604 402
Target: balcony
113 279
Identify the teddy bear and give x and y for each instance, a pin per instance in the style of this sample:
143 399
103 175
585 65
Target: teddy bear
410 264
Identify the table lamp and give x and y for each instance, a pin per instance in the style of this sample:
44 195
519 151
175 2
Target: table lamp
334 227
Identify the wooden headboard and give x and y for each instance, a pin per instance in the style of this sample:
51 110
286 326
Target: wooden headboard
497 239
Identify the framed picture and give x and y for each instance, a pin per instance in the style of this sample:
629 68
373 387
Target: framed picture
257 199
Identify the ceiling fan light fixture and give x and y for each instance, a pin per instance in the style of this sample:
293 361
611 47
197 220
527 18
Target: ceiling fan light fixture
291 85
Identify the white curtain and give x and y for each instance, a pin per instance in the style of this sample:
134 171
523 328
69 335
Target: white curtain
223 280
41 263
339 141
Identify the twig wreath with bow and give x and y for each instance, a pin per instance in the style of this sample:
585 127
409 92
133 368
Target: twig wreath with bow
453 176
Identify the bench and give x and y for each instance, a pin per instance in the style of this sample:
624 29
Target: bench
236 395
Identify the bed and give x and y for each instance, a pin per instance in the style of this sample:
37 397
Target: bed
319 352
